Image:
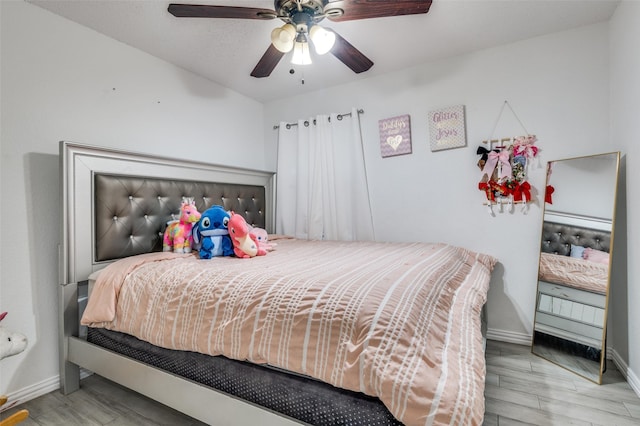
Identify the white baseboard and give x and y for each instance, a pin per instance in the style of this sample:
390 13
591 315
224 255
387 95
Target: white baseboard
36 390
633 381
631 377
509 337
33 391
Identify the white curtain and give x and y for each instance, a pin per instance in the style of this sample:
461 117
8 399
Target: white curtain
322 189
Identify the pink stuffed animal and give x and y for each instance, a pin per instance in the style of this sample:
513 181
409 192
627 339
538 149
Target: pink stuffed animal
245 243
263 239
178 236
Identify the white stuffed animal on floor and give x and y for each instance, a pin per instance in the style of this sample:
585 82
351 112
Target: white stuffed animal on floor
10 343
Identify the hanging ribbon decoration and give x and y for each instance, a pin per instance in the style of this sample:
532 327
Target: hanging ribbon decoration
504 168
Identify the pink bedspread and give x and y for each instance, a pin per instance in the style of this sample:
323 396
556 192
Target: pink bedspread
574 272
398 321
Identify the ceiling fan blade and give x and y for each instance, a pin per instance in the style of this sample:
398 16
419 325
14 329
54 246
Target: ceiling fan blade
366 9
206 11
350 56
267 63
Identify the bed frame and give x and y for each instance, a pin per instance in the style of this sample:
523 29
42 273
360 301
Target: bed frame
80 165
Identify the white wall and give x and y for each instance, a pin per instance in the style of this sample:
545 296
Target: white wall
63 81
558 86
625 112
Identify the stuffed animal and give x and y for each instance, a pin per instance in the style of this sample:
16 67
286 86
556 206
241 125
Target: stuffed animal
178 236
263 239
10 343
211 235
245 243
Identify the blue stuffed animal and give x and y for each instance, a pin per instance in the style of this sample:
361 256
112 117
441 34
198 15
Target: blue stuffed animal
210 233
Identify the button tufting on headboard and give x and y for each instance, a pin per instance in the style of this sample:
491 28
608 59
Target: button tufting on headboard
131 212
557 238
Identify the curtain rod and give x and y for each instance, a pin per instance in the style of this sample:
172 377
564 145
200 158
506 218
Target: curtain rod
306 123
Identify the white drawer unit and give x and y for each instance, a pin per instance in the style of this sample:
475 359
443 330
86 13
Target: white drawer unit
570 314
569 293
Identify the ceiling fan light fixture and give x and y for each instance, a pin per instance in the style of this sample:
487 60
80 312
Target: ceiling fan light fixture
323 40
283 37
301 55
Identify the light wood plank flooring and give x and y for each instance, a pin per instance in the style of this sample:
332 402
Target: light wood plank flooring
524 389
521 389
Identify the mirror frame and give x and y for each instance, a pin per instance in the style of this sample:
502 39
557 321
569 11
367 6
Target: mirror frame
545 210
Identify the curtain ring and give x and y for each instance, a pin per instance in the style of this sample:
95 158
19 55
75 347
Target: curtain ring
339 117
306 123
288 126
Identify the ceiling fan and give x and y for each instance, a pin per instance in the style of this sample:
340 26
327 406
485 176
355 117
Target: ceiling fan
301 18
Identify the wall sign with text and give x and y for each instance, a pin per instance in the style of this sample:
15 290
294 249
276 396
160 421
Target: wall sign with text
395 136
447 128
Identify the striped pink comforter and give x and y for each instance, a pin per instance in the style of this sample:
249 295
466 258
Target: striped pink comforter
574 272
398 321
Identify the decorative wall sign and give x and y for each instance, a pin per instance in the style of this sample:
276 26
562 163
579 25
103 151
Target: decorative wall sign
447 128
395 136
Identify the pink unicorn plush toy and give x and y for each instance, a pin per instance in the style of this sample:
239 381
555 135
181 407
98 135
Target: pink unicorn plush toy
245 243
178 236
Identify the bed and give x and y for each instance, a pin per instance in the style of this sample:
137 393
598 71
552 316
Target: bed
315 332
573 278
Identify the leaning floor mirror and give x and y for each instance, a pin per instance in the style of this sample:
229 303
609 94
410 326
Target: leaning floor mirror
570 322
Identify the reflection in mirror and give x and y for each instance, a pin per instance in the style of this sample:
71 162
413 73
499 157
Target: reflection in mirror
575 254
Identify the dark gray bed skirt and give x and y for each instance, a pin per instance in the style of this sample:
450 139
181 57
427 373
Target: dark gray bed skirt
299 397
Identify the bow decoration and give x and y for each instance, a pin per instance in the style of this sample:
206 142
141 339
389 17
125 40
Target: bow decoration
484 154
523 145
527 151
521 192
547 194
498 159
484 186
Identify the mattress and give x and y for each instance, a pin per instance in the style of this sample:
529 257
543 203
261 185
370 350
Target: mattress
302 398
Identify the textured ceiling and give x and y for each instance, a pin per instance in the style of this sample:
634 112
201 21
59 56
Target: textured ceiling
226 50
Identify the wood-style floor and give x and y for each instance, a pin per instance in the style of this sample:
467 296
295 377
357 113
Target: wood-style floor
521 389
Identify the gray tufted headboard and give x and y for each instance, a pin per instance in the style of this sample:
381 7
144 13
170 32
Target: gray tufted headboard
557 238
116 203
131 212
